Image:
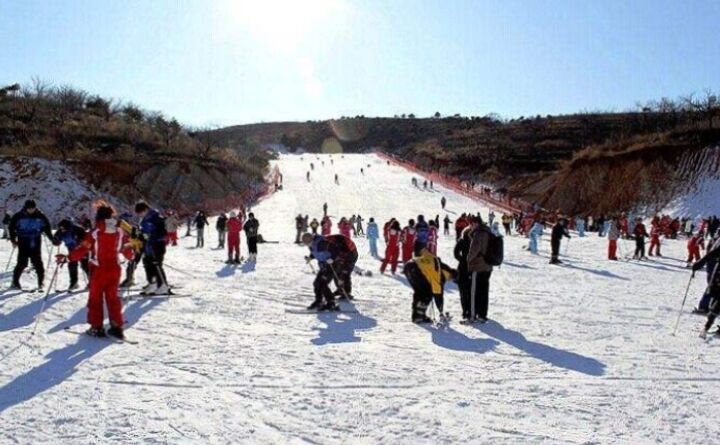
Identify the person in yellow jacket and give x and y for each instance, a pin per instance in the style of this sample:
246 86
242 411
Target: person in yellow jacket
427 275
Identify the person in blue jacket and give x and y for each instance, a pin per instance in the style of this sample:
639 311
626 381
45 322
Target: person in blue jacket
372 235
71 235
26 230
336 256
422 229
152 227
580 226
536 232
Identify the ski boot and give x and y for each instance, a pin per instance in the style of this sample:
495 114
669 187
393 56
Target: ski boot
314 306
149 288
331 306
73 286
422 320
126 283
116 332
96 332
163 289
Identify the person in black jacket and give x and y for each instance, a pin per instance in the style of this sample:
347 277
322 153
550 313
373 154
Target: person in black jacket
713 288
463 275
200 222
71 235
26 230
220 226
251 228
558 231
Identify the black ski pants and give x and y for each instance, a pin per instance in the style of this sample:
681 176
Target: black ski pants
153 263
73 269
33 255
252 244
479 294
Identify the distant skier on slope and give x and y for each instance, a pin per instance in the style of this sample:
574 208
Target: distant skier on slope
325 208
299 223
392 248
220 227
372 236
337 181
326 226
443 201
446 225
613 235
421 231
307 176
432 238
200 222
171 225
234 226
535 233
314 224
655 231
344 227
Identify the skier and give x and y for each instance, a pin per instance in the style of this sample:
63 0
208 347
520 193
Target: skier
655 240
233 227
336 256
443 201
221 228
200 222
580 226
138 246
710 267
427 275
694 244
299 223
337 181
558 231
359 226
152 226
353 221
362 171
506 222
425 184
312 166
432 238
407 238
613 235
6 225
460 225
103 244
189 223
421 231
305 223
460 252
479 269
326 226
446 225
314 224
344 227
372 236
307 176
535 233
392 248
713 288
640 233
251 228
71 235
491 218
325 207
171 225
26 229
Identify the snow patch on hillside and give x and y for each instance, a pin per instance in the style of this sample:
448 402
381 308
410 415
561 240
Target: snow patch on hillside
698 195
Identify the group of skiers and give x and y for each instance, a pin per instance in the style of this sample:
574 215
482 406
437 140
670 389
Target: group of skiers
229 228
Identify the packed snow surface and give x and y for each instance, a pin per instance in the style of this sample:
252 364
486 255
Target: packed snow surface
580 353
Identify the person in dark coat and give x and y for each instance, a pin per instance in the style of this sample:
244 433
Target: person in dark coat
71 235
558 231
26 230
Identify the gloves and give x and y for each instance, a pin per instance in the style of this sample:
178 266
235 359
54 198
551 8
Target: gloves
308 259
329 261
696 267
61 259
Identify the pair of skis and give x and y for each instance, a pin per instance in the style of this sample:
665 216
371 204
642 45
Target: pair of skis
110 338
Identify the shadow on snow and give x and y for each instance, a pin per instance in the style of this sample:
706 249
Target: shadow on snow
453 340
342 330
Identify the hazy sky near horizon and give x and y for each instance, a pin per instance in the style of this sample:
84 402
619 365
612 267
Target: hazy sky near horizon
227 62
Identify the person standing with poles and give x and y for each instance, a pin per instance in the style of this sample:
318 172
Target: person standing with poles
251 228
200 222
221 227
559 230
152 226
713 287
479 269
26 230
104 244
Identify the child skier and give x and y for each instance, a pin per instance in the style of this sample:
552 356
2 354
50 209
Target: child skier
407 238
392 248
427 275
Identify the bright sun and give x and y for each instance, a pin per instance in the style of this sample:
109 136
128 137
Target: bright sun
280 23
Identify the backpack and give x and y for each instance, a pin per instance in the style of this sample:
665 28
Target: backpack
495 249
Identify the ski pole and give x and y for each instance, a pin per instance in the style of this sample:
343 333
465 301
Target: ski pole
342 287
47 294
12 252
50 252
677 323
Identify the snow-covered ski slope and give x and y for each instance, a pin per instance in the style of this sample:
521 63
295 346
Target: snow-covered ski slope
575 354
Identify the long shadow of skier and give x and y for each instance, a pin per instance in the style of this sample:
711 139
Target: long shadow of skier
9 294
450 286
665 267
62 363
342 330
519 266
25 315
227 271
556 357
453 340
248 267
602 273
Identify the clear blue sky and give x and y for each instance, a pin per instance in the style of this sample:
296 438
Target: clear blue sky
229 62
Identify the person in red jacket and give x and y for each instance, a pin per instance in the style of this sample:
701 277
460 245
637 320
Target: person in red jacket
640 234
655 232
104 244
407 238
326 226
233 227
432 237
392 249
695 243
386 229
344 227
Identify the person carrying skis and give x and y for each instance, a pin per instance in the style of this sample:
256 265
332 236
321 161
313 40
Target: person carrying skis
392 248
233 226
104 243
221 227
326 226
171 225
558 231
443 201
613 235
26 230
479 269
536 231
200 222
299 223
152 227
407 238
314 224
640 234
432 238
427 275
344 227
251 228
713 288
446 225
372 236
655 231
694 244
71 235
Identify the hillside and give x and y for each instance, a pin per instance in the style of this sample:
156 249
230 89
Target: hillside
122 150
534 159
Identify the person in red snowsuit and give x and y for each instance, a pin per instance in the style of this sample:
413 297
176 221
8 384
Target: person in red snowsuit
386 229
392 250
407 238
432 237
326 226
695 243
233 227
460 225
624 229
344 227
104 243
655 240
